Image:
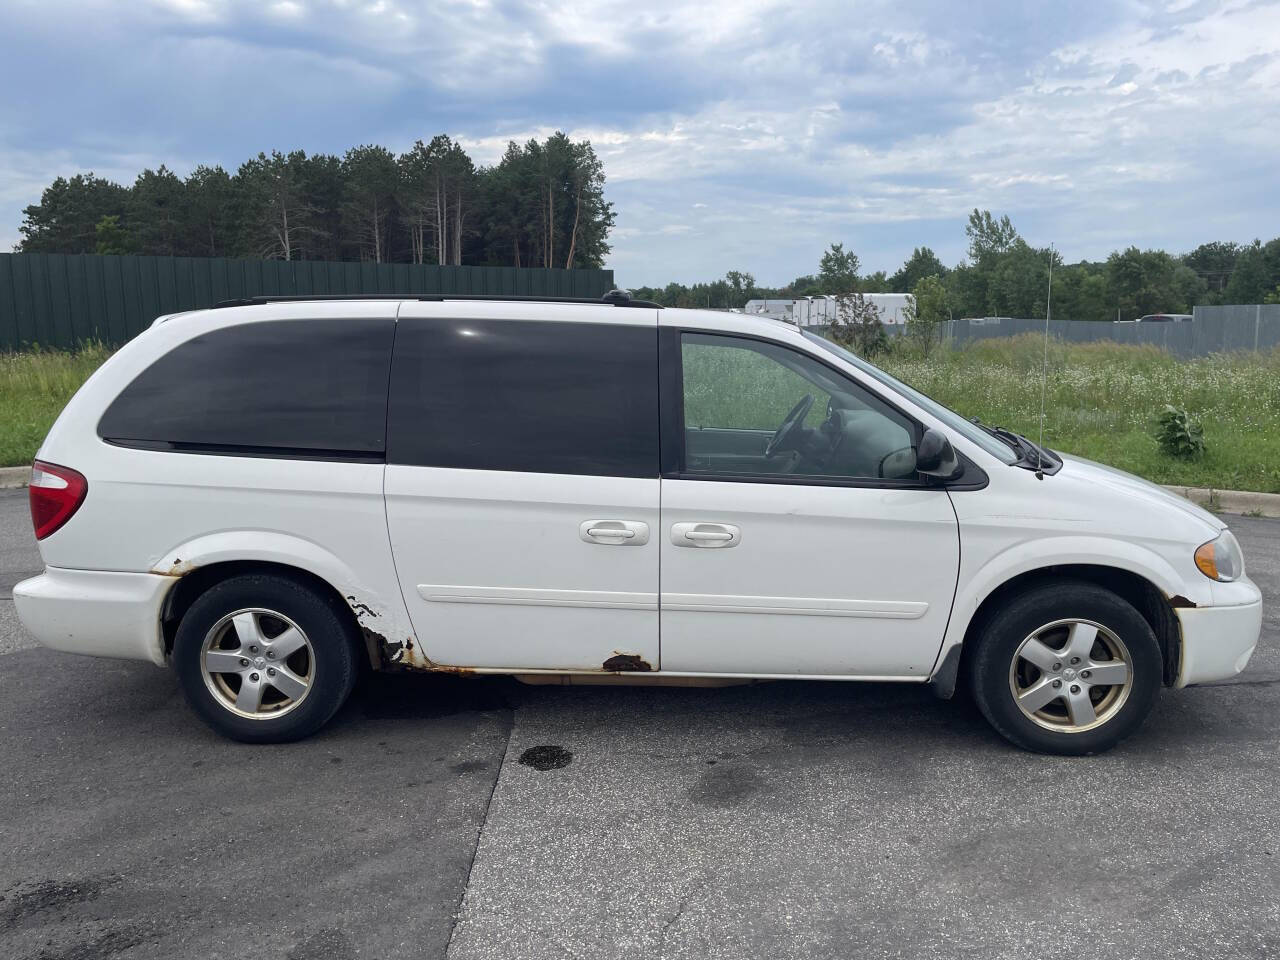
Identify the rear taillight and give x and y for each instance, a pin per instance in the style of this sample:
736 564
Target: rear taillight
56 493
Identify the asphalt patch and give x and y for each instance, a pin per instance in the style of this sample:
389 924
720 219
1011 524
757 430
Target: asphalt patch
21 903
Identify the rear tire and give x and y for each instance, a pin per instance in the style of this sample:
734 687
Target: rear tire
263 658
1067 668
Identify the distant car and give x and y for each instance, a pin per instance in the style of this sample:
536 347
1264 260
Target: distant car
1164 318
272 496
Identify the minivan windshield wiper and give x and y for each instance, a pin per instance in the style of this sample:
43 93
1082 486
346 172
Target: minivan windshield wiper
1029 452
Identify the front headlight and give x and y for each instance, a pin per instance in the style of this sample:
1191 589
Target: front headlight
1221 559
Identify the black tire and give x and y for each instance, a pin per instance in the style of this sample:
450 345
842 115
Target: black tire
1019 617
331 655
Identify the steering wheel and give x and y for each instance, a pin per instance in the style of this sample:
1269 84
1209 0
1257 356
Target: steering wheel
785 436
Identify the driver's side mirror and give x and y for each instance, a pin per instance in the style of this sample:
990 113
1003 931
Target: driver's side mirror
935 456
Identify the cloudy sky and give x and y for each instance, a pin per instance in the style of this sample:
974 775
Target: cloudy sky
742 135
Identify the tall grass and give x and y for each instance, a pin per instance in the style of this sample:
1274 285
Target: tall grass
34 387
1102 398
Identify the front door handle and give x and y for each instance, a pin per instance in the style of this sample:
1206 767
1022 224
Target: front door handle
705 535
618 533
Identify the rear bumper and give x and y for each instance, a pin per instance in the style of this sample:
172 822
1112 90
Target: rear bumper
1217 642
94 612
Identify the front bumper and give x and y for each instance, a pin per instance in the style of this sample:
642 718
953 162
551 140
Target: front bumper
103 614
1218 641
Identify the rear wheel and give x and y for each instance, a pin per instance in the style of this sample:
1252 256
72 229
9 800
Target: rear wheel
264 658
1067 668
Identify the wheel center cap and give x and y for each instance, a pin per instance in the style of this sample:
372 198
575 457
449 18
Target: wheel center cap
1068 674
259 662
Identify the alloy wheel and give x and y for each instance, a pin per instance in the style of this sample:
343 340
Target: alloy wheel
257 663
1071 675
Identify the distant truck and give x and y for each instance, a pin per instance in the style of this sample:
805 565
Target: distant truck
823 310
779 309
1160 318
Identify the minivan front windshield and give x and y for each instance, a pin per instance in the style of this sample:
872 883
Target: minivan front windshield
970 431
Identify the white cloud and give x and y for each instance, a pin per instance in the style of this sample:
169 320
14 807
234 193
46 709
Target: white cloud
784 126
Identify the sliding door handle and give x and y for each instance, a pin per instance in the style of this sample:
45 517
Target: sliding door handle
705 535
598 532
618 533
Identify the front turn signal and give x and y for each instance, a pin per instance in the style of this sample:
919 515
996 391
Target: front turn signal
1220 559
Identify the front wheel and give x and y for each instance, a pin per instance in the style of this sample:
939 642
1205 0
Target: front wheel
1067 668
264 658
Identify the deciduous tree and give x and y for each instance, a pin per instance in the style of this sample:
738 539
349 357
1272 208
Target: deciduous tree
838 270
857 325
922 263
926 311
112 238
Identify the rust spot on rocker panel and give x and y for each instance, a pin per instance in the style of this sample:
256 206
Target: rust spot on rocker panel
445 668
402 656
626 663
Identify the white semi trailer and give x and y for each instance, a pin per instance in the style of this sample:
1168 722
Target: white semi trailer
821 311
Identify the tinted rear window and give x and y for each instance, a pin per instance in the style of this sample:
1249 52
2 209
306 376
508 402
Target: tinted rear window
525 396
293 386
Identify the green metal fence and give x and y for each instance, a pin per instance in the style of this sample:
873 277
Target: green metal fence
60 300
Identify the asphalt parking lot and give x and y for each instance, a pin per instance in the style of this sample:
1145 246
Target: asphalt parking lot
779 820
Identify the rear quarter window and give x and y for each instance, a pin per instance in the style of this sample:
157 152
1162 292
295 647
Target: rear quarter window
293 387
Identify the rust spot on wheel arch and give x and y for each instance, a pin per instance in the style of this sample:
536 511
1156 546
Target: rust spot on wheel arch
381 652
396 655
361 610
1179 601
627 663
176 569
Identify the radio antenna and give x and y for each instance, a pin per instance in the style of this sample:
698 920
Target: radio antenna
1044 367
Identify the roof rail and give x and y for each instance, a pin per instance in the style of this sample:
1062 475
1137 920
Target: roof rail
618 298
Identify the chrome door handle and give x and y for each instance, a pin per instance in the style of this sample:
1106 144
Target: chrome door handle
618 533
705 535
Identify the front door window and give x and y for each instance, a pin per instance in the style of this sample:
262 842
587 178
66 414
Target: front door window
759 410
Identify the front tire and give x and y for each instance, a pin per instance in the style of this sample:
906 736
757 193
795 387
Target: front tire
1066 667
264 658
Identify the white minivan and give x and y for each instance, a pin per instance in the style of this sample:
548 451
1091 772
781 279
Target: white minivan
272 495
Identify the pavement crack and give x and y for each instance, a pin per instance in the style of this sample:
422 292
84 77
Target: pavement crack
484 822
674 918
